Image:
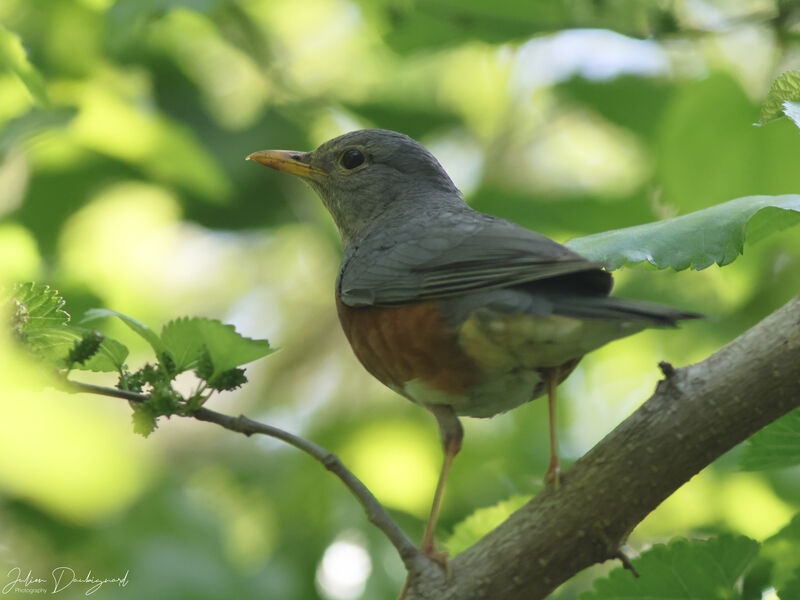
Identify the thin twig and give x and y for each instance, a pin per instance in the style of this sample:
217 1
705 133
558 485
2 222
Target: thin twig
78 387
375 512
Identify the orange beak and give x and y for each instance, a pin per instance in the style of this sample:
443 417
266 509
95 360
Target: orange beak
288 161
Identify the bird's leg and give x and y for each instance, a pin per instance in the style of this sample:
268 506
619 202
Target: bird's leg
452 434
553 474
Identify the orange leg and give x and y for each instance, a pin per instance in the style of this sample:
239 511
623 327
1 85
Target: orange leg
452 434
553 474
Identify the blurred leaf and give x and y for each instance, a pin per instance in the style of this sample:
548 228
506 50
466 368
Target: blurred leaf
415 122
696 570
636 103
562 216
791 589
700 239
140 328
429 24
481 522
186 339
14 57
708 151
774 447
779 559
32 123
164 148
786 87
127 17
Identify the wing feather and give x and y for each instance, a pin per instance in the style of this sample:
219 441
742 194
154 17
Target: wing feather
426 263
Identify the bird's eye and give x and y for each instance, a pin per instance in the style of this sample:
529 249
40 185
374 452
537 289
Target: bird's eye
351 158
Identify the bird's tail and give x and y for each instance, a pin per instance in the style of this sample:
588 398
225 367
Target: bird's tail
620 309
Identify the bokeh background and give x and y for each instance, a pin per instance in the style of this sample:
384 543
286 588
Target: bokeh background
130 191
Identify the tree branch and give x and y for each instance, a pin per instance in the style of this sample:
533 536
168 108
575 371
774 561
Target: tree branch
375 512
696 414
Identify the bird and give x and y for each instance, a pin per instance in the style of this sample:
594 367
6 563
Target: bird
461 312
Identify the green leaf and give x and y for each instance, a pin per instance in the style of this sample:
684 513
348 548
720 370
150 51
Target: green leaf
109 357
43 324
694 570
699 239
778 562
37 305
786 87
707 152
774 447
185 340
54 345
143 330
144 419
14 57
481 522
791 589
412 26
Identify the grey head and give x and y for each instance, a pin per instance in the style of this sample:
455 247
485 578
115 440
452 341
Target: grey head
369 177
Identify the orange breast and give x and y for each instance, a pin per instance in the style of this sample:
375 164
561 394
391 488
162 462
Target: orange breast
403 343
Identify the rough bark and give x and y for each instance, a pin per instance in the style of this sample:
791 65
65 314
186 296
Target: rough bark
696 414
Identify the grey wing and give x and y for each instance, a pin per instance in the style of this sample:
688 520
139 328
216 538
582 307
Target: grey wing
480 254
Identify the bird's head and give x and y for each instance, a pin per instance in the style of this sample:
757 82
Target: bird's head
365 175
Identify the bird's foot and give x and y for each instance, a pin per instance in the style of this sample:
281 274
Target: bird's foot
440 558
553 476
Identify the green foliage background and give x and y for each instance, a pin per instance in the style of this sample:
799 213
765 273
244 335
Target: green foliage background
123 131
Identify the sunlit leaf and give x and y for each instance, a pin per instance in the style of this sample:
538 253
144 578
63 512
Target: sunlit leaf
481 522
143 330
699 239
37 305
187 339
14 58
40 318
163 147
691 570
774 447
784 88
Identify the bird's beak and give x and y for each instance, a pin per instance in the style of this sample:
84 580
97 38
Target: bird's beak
288 161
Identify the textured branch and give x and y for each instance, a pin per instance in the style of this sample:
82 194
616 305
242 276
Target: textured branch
375 512
696 414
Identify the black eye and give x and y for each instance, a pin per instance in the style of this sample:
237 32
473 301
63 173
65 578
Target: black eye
351 158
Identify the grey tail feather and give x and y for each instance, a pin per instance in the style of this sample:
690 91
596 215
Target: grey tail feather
608 307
